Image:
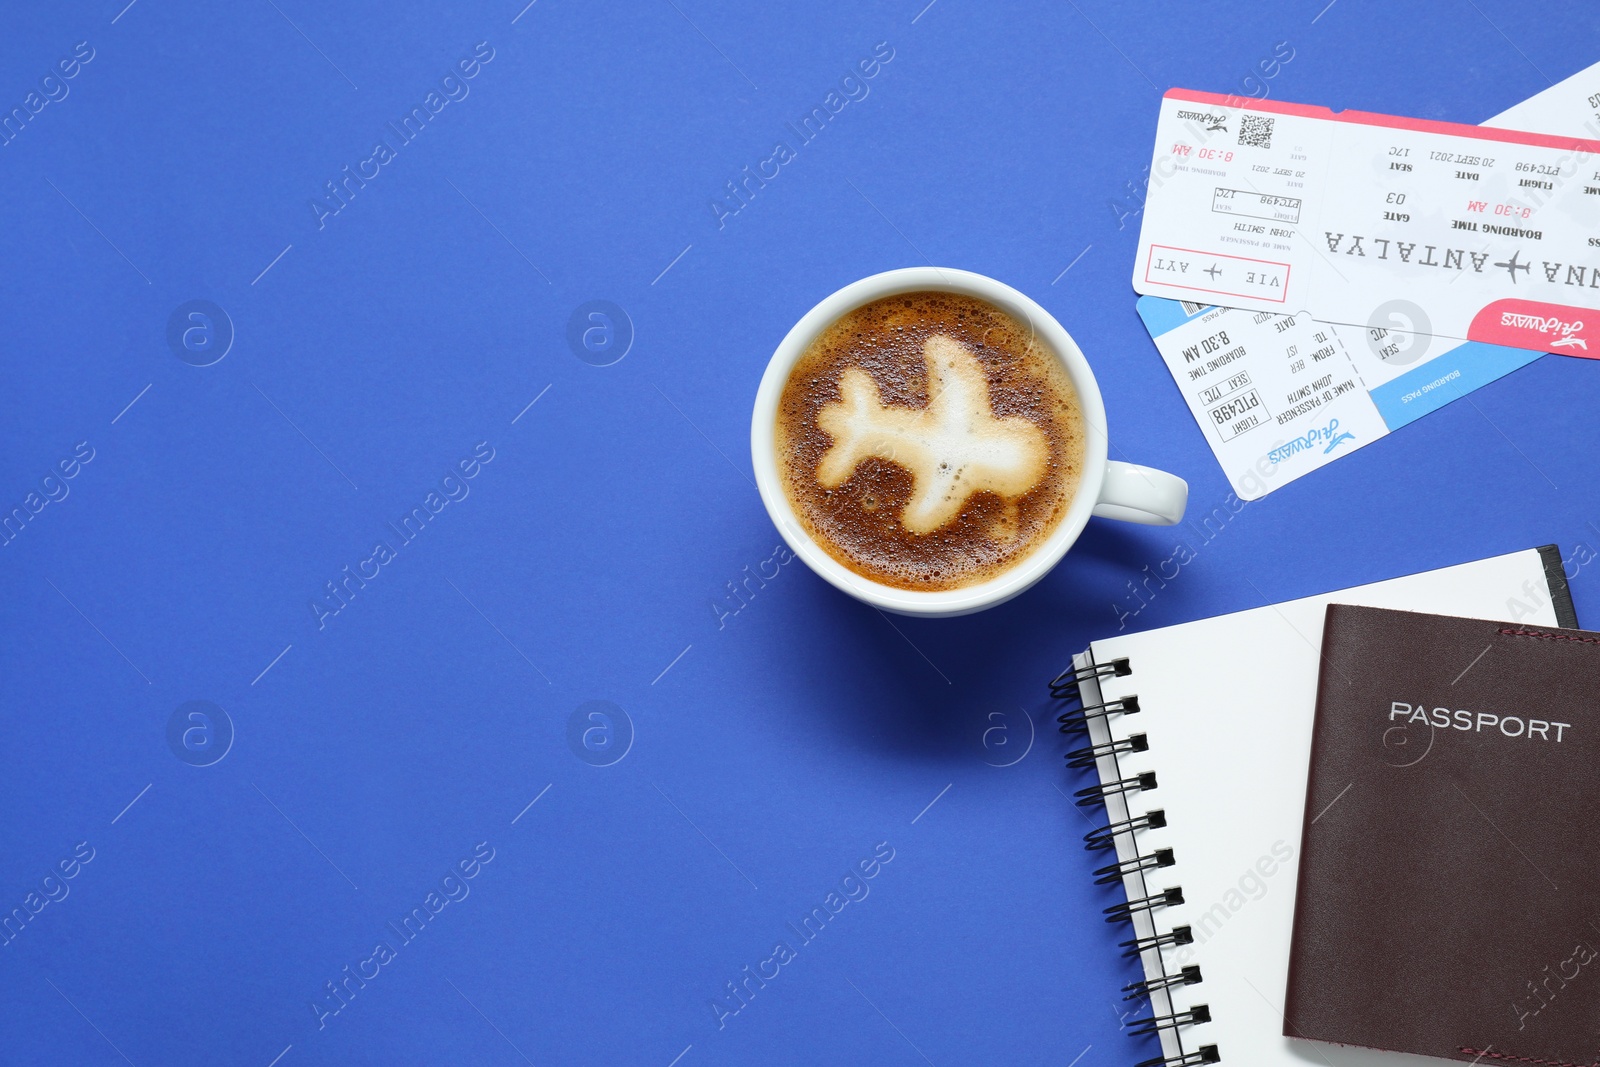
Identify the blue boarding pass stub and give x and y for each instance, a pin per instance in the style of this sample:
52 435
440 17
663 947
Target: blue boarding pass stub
1278 396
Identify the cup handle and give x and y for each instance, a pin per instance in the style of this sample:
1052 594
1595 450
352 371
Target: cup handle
1141 494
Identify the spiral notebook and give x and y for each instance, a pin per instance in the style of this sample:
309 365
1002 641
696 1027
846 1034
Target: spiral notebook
1200 735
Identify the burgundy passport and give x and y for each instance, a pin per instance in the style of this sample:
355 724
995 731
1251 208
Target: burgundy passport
1448 902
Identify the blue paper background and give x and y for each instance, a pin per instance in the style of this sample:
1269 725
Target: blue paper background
771 748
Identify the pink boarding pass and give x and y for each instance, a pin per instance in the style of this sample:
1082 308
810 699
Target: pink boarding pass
1408 225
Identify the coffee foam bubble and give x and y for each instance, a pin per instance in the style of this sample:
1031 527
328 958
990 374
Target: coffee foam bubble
952 448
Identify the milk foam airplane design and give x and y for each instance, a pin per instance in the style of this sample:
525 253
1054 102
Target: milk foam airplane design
953 448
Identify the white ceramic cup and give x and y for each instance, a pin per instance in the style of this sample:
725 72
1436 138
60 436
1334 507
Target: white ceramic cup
1108 488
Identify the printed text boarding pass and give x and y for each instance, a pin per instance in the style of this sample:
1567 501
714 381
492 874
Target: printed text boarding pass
1371 220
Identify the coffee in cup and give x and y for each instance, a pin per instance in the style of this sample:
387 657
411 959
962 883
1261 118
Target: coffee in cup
929 440
1019 533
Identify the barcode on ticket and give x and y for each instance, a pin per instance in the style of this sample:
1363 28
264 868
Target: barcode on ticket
1255 131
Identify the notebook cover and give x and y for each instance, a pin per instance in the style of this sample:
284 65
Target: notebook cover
1446 903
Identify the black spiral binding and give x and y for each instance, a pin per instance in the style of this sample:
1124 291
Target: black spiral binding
1078 718
1178 935
1064 686
1096 794
1200 1013
1190 975
1123 912
1116 872
1104 837
1203 1054
1089 755
1068 686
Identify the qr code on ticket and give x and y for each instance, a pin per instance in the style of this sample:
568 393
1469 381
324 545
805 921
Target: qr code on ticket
1255 131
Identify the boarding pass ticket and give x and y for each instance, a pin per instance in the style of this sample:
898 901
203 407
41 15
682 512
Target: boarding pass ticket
1278 396
1372 220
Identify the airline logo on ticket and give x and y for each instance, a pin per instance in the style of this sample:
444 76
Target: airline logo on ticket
1375 221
